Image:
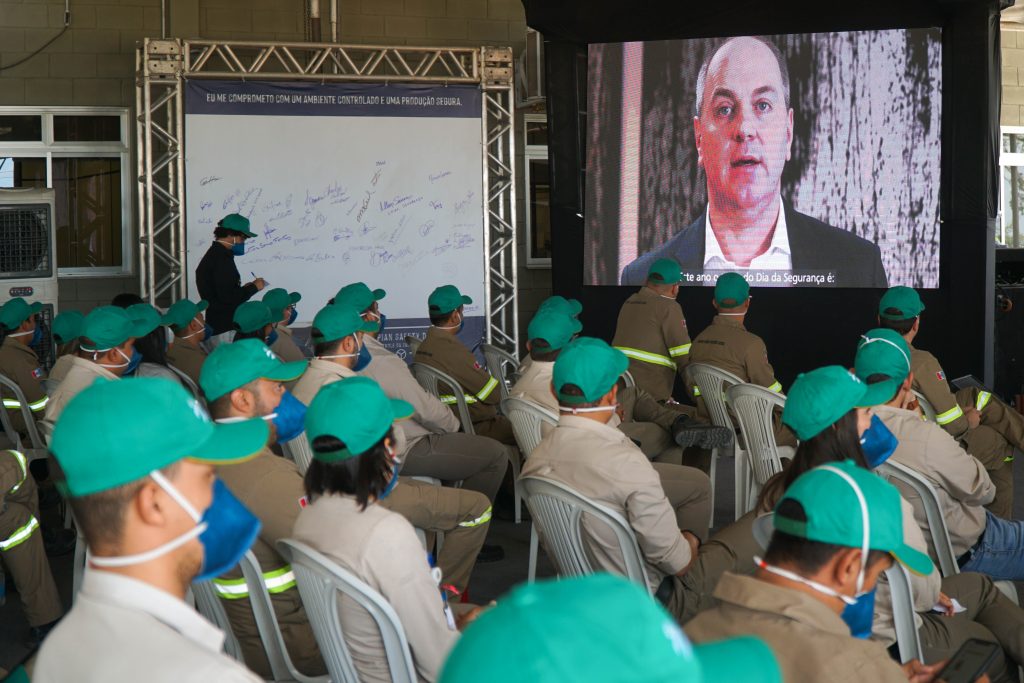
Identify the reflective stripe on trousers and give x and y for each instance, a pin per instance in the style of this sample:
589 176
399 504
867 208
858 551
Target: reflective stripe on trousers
482 519
276 581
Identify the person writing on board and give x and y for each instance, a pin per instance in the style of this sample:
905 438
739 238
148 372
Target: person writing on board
743 129
217 277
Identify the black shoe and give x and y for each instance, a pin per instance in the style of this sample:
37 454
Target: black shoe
491 553
37 634
59 541
687 432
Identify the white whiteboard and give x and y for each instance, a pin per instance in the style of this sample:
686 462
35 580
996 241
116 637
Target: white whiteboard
342 183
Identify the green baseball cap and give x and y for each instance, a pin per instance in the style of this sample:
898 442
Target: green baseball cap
557 329
253 315
731 291
882 352
67 326
117 431
819 398
446 299
148 314
279 299
236 222
591 365
110 326
332 410
900 303
665 271
598 628
832 496
335 322
183 312
231 366
559 304
16 311
358 296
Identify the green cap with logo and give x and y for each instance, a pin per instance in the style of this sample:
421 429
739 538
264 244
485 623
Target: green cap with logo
110 326
591 365
233 365
358 296
236 222
67 326
182 312
559 304
16 311
118 431
837 499
278 299
556 328
446 299
335 322
665 271
148 314
253 315
600 629
332 410
900 303
819 398
732 290
882 352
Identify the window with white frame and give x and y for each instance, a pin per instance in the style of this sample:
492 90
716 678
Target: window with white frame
538 192
82 154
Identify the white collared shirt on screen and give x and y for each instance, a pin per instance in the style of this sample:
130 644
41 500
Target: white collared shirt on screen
776 257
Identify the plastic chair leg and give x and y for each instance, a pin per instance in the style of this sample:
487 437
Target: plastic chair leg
531 575
742 483
711 474
516 493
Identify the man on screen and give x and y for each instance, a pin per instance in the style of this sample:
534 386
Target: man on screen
743 130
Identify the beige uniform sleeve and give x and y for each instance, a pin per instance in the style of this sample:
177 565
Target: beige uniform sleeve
925 589
653 520
759 370
957 471
929 380
430 412
677 337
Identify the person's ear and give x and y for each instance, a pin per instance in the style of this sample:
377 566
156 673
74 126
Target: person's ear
917 325
698 140
789 134
846 568
27 324
529 347
612 396
149 505
243 401
348 344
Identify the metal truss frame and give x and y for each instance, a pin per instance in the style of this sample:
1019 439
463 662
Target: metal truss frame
163 66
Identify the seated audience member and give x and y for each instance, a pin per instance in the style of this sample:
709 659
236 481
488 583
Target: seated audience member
666 505
106 349
137 460
245 380
354 466
599 629
282 309
984 425
728 345
837 528
442 349
253 320
153 346
66 329
339 334
20 330
553 304
190 329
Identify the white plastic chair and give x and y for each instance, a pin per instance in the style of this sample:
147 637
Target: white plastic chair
431 378
558 511
908 640
299 451
189 384
926 407
36 448
502 365
527 418
208 604
413 343
712 383
320 581
754 407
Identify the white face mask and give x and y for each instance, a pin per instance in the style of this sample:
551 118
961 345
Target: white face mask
201 330
96 352
592 409
22 334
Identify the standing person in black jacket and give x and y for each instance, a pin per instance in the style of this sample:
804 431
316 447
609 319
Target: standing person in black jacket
217 277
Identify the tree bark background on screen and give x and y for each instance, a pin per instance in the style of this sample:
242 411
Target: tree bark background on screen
866 147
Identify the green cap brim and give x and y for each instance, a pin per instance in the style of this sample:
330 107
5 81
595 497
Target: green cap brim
287 372
914 560
369 326
402 410
466 300
745 658
202 305
140 328
879 393
247 233
34 307
379 294
233 442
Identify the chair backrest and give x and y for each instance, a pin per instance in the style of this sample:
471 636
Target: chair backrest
431 380
320 581
558 512
627 378
8 431
502 365
526 418
754 407
49 385
299 451
189 384
926 407
209 605
908 478
45 428
413 343
907 638
712 383
35 441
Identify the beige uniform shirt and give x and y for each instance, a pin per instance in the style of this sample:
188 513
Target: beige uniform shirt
189 359
80 376
318 373
121 629
601 463
961 481
285 347
381 548
19 363
446 353
810 641
726 344
930 381
534 384
651 330
61 368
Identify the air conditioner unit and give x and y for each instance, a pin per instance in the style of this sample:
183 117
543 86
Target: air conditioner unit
529 77
28 255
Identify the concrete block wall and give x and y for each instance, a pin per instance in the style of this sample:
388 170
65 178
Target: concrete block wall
1011 112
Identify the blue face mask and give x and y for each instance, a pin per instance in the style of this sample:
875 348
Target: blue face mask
207 332
37 336
364 358
877 443
289 418
393 482
272 338
292 316
238 249
383 323
134 363
860 614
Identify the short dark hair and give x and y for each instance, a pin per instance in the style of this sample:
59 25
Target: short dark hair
126 299
220 233
541 351
901 327
573 390
807 557
258 333
325 348
153 346
441 318
702 75
363 476
221 407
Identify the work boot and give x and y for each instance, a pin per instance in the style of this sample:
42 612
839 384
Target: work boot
689 432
